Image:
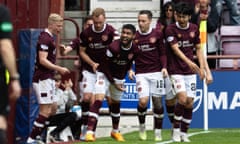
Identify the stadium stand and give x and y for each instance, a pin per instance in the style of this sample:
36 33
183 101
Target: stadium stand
225 14
229 44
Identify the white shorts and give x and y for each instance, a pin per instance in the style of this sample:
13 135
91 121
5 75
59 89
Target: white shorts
45 91
184 83
150 84
88 82
116 94
102 84
80 89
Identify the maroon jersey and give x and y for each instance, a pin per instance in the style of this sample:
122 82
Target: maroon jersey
120 59
152 56
187 39
45 43
96 44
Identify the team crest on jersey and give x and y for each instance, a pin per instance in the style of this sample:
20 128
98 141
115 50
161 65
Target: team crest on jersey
130 56
90 38
179 35
104 37
136 41
152 40
192 34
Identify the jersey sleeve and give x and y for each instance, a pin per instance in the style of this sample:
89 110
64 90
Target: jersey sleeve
75 43
170 36
197 37
44 41
83 39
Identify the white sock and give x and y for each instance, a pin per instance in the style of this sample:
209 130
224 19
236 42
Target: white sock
30 140
115 130
158 132
142 127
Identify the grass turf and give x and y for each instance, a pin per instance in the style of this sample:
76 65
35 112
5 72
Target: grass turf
198 136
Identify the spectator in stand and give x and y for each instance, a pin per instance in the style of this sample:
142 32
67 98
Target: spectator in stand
233 7
166 16
208 11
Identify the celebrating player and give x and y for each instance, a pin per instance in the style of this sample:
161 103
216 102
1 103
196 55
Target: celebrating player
182 38
150 69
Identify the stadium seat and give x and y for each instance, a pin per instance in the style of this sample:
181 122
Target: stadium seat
229 64
230 31
229 44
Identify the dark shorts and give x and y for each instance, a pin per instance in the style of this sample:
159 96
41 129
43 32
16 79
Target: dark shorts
4 108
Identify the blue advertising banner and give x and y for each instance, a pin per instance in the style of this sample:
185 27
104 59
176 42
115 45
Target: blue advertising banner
223 101
129 99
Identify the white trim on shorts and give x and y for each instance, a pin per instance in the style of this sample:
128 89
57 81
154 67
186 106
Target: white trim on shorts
88 82
45 91
150 84
184 83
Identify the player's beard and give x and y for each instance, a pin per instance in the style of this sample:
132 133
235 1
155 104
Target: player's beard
126 43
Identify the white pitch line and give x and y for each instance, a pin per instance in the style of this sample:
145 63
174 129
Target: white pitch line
189 135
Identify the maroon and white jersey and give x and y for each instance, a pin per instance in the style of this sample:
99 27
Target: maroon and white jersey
96 43
120 59
75 44
45 43
152 55
186 38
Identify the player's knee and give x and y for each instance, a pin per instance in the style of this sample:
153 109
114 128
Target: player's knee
189 103
142 103
87 97
171 102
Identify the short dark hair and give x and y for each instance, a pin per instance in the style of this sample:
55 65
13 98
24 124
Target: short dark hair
184 8
130 27
147 12
87 18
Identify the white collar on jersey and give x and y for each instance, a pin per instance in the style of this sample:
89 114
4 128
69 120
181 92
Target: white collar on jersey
178 26
146 33
47 31
104 27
